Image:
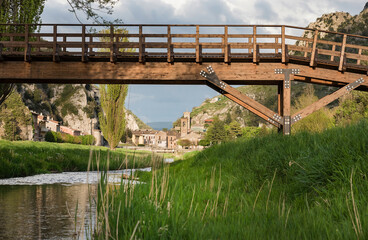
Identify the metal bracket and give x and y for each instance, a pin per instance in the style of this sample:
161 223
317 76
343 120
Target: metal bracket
355 84
287 125
287 73
296 118
277 117
212 77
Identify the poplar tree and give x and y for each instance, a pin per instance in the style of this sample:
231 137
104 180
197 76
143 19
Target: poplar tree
112 115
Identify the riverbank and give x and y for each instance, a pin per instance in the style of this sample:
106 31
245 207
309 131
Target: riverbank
25 158
305 186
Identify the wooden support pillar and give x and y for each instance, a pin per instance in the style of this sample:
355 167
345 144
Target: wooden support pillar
314 53
198 47
280 104
55 48
113 47
286 105
84 47
285 97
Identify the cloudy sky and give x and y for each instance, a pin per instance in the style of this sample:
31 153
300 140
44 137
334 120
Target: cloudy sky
155 103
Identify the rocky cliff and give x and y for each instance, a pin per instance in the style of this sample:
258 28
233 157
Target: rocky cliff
75 105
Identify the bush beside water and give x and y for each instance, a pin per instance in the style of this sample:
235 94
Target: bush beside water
305 186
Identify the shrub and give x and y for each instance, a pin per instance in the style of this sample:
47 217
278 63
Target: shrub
51 136
87 139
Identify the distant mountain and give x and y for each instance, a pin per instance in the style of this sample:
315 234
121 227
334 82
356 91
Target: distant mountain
160 125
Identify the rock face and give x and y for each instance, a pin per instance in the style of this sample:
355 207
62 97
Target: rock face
75 105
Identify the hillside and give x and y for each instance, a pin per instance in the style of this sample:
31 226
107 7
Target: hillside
75 105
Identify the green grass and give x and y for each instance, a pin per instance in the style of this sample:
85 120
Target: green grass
306 186
26 158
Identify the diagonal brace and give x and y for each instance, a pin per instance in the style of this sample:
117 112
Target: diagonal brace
326 100
237 96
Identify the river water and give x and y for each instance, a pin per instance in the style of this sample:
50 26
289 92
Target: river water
45 206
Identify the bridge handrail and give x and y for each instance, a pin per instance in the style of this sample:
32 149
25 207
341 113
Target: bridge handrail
310 44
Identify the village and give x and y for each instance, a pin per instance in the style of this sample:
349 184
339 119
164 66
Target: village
185 136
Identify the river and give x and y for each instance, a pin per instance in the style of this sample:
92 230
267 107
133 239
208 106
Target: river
45 206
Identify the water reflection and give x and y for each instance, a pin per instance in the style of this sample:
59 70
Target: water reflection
44 211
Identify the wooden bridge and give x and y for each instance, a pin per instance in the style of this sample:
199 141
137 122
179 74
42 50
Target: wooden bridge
177 54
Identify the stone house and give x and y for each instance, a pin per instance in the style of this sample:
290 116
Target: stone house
161 139
172 136
70 131
146 137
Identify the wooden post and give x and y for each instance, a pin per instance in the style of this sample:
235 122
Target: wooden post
276 48
142 49
170 56
112 45
90 49
360 54
27 47
312 62
226 46
280 104
249 49
342 55
1 51
332 56
54 44
283 44
255 60
198 47
84 57
64 42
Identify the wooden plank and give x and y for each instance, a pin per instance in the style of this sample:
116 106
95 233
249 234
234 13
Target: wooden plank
304 39
326 100
342 55
314 47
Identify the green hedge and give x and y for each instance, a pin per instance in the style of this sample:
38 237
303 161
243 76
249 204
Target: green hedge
67 138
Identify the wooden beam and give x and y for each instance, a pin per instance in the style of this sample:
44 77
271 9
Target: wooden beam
225 88
326 100
342 55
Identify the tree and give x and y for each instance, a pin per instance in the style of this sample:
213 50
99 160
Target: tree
112 115
216 133
5 91
14 114
235 129
352 108
90 8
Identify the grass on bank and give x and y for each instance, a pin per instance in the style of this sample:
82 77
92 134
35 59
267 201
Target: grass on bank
305 186
24 158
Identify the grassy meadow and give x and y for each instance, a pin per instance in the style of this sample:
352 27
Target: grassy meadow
24 158
305 186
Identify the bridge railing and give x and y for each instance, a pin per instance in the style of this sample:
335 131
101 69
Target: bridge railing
182 42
